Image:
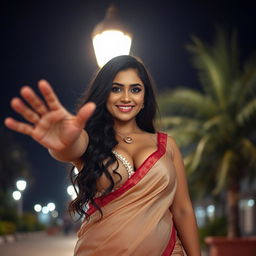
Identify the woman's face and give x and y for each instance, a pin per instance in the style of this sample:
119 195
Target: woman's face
127 95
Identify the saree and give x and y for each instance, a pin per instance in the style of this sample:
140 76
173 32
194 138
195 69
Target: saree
136 217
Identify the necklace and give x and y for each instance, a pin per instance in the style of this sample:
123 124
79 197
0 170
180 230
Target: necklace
127 139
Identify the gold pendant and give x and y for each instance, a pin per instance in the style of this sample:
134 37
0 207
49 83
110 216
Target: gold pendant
128 140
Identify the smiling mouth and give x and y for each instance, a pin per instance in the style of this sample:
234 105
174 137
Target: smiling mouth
124 108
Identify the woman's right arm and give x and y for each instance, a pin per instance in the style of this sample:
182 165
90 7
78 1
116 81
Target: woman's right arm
50 124
73 153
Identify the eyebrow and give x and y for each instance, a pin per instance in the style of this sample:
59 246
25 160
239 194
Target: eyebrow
132 85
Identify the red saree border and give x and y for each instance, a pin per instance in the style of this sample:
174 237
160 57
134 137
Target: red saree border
169 249
138 175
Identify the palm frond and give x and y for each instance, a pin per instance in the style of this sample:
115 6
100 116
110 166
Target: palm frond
247 87
187 101
215 121
188 159
249 151
217 64
224 168
246 112
202 182
180 121
209 71
199 153
184 136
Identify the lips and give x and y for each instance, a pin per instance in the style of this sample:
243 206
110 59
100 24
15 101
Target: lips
125 108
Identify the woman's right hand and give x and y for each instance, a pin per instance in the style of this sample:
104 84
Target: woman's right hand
49 123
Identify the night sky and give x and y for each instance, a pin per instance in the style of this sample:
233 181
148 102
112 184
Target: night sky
51 40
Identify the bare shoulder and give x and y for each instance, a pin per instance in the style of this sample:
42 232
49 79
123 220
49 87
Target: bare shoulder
172 146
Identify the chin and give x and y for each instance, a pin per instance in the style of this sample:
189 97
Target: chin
123 119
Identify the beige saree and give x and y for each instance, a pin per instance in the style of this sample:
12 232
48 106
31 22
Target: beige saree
136 217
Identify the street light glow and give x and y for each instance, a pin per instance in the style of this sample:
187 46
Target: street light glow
37 207
51 206
45 210
21 185
250 202
70 190
76 171
109 44
55 214
16 195
110 37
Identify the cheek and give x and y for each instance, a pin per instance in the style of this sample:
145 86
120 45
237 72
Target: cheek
140 98
111 102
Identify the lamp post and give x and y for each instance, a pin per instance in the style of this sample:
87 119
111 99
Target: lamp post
17 195
21 185
38 209
110 37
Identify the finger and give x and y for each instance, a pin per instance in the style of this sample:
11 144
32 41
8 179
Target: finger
36 103
84 114
49 95
25 111
18 126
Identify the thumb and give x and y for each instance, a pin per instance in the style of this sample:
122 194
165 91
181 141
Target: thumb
85 113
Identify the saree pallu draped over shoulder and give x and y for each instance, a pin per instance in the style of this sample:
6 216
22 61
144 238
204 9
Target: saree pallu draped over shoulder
136 217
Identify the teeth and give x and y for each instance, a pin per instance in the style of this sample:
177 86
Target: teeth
125 108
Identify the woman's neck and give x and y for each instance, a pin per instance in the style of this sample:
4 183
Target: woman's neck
126 127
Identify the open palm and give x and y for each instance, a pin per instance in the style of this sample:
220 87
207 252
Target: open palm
50 124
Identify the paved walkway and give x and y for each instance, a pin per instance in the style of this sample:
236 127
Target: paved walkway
43 245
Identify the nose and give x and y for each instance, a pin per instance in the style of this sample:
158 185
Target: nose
125 96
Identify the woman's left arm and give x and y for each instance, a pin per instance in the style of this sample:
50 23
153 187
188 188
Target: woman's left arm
182 210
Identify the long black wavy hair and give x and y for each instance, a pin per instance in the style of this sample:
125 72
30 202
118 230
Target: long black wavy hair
102 137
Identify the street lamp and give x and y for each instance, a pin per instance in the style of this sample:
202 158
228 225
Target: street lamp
71 191
45 210
38 208
17 195
21 185
51 206
110 37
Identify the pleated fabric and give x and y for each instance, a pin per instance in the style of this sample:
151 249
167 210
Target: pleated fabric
136 217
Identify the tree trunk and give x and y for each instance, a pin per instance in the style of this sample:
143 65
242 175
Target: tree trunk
233 209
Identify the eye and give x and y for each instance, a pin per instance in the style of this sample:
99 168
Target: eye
115 89
136 89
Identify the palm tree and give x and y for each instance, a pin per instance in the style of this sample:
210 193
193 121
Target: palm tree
216 125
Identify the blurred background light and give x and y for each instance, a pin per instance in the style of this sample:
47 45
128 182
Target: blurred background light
37 207
16 195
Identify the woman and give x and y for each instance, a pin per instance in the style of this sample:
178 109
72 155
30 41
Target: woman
131 176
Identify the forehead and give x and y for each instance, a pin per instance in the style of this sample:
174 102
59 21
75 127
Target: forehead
128 76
